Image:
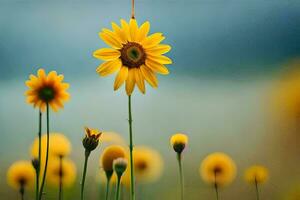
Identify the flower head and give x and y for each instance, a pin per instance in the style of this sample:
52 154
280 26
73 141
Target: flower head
120 165
148 165
179 142
256 174
21 174
91 139
47 89
67 173
218 168
60 146
110 154
133 54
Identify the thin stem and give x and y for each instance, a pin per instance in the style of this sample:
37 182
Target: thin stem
132 9
181 175
118 188
216 186
22 191
87 154
257 191
60 177
47 154
108 177
39 157
132 197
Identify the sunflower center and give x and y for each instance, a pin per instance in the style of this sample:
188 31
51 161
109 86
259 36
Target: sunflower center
133 55
47 94
217 170
141 165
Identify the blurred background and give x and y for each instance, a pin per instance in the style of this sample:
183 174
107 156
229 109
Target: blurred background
234 87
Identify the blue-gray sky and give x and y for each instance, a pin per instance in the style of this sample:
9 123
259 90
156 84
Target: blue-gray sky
216 37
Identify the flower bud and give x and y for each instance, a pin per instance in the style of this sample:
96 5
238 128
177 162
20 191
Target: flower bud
179 142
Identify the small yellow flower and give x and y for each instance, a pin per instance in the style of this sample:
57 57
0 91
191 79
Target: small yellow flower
60 146
218 168
148 165
21 174
133 54
91 139
178 142
45 89
68 172
110 154
256 174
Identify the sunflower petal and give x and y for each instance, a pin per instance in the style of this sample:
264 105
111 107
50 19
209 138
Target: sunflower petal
130 82
107 54
121 77
110 39
42 75
119 32
160 59
152 40
157 67
143 31
159 49
139 80
133 29
126 30
149 76
109 67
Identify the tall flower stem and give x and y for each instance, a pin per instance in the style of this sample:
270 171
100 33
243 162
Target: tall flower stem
257 191
107 188
38 169
118 188
87 154
181 175
47 155
132 190
216 186
132 9
60 177
22 191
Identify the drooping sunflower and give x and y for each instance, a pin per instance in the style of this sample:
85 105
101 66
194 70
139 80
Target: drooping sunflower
133 54
47 89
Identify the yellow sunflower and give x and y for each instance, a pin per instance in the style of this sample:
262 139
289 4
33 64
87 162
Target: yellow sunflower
21 174
133 54
218 168
47 89
256 174
67 173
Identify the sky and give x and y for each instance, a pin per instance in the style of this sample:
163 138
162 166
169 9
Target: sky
227 58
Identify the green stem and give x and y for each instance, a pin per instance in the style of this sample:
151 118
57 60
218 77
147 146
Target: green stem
132 190
118 188
87 154
22 191
181 175
39 157
108 177
257 191
60 177
216 186
47 155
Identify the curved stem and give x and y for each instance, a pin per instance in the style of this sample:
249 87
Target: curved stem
118 188
181 176
60 177
257 191
132 9
87 154
39 157
132 191
47 155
